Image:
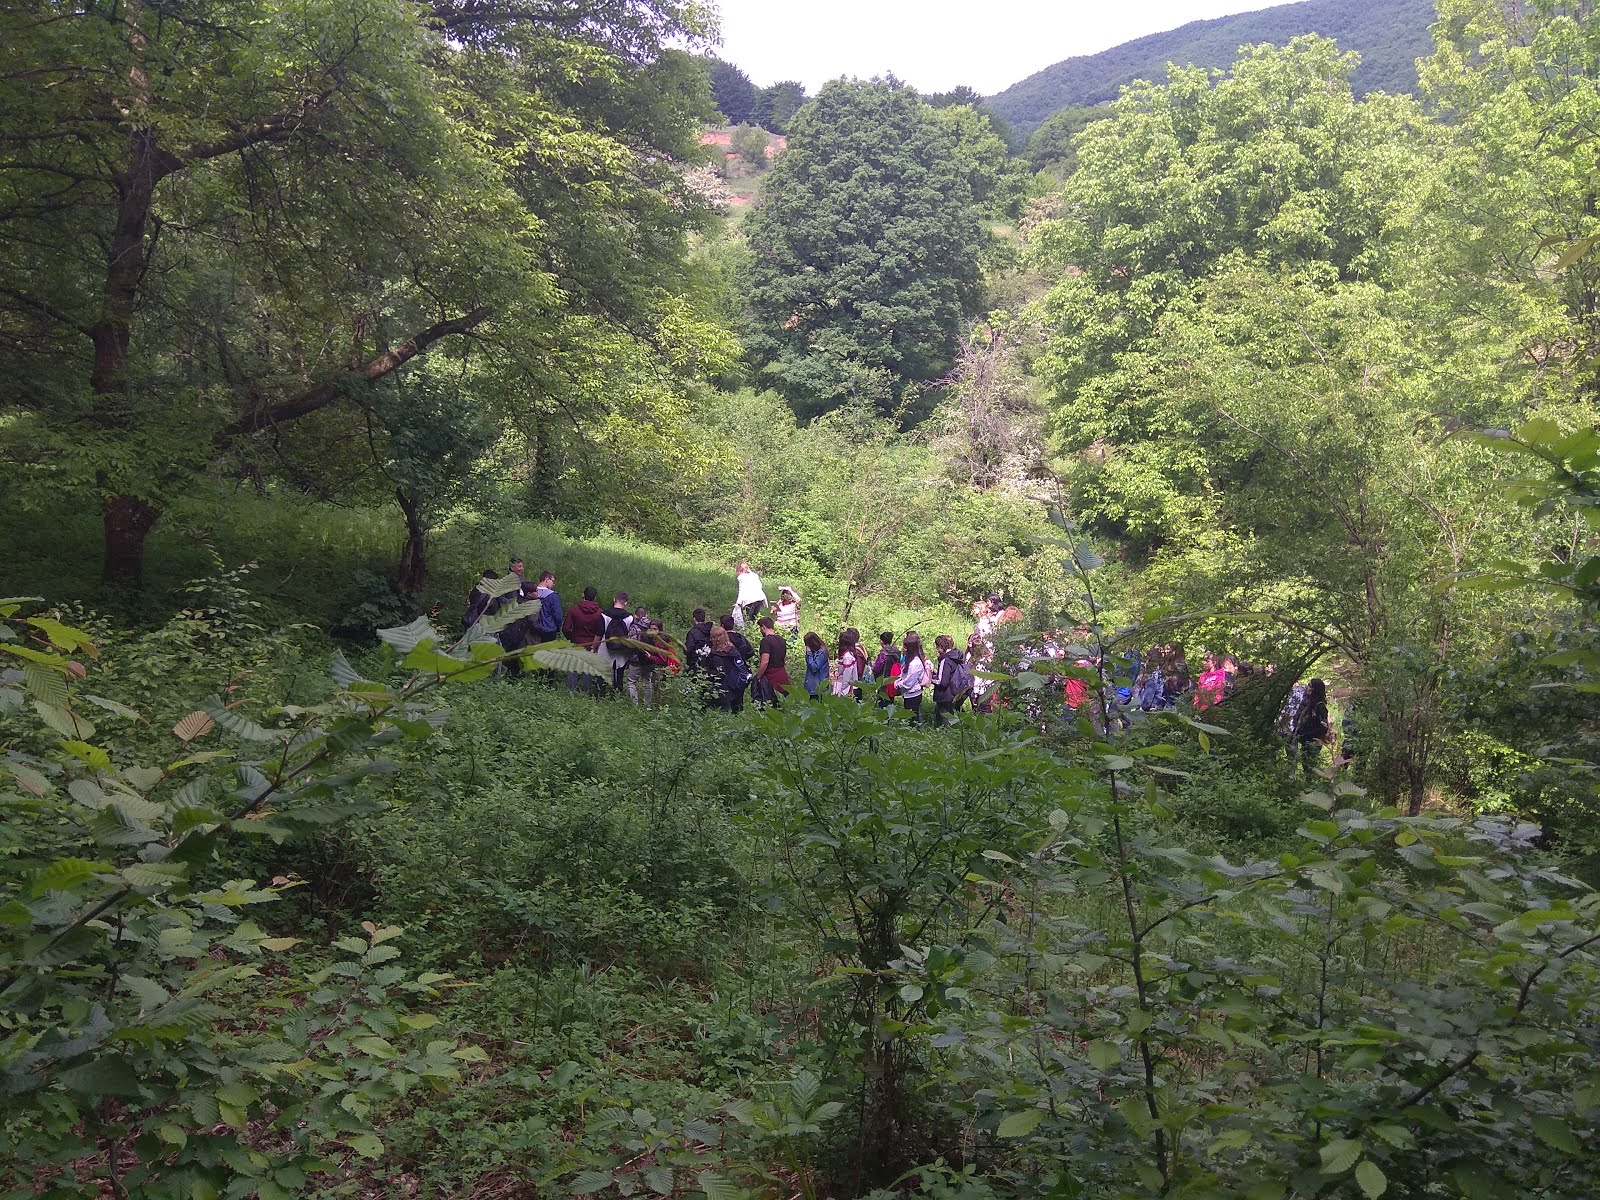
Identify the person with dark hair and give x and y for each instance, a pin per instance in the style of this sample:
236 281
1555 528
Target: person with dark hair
1312 728
697 643
770 679
478 599
619 631
642 670
741 644
849 665
914 676
585 628
886 667
548 620
816 664
952 683
519 569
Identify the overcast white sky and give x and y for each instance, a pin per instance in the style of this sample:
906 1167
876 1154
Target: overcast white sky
936 44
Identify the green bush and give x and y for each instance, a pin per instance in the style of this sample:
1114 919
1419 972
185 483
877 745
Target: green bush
549 827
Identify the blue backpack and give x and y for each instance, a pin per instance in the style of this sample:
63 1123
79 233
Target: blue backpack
738 674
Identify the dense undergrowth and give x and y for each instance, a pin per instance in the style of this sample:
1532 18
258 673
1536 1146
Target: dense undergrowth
814 951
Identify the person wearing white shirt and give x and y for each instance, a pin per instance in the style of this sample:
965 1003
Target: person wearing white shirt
914 676
751 594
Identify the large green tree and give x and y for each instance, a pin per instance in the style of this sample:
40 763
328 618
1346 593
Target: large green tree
864 250
1254 386
731 91
213 222
777 104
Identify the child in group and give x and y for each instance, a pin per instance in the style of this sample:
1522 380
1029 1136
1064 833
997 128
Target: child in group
1212 685
816 664
850 665
786 612
887 667
952 682
914 676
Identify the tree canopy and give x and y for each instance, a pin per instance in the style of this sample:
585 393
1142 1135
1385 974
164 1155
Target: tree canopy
863 250
212 224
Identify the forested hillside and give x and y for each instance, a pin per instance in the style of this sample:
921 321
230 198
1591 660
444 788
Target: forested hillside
546 650
1390 37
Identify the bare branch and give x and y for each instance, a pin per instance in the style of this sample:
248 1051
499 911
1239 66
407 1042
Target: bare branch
325 393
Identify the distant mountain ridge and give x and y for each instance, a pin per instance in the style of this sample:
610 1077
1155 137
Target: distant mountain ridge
1390 35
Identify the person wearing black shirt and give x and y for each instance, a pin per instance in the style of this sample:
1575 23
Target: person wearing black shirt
740 643
1311 727
771 678
697 643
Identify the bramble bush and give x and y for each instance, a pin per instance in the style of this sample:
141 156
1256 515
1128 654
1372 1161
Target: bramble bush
155 1039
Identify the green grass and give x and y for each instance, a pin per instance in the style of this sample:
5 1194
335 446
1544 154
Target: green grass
329 566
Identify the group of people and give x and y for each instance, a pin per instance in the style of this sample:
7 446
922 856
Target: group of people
1160 678
732 668
720 654
636 643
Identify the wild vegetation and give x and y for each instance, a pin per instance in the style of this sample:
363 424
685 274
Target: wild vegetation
311 313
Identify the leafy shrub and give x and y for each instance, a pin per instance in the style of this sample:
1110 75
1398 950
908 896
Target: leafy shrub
127 956
1241 806
551 827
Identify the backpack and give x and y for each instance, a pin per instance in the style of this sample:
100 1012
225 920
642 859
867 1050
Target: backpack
617 633
1151 693
960 682
957 684
896 666
738 674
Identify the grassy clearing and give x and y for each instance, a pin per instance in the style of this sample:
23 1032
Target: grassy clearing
330 566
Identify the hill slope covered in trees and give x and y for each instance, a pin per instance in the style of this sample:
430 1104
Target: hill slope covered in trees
1389 37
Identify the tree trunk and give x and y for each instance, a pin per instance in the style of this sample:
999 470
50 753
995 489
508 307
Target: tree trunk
413 570
127 521
1415 796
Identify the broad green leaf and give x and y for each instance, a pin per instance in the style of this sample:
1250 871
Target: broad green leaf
238 725
1103 1055
343 673
63 637
589 1181
366 1144
1555 1134
64 875
406 638
109 1076
1020 1124
1339 1156
1371 1179
111 706
154 875
64 722
44 685
562 657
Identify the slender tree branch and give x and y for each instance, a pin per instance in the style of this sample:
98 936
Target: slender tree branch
325 393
